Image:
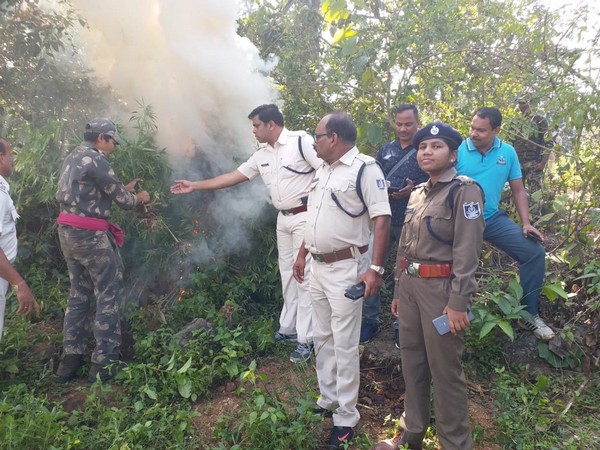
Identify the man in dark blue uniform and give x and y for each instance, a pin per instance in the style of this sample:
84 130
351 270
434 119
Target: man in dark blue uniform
399 161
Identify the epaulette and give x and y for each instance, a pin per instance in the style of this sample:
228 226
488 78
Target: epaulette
464 179
368 160
297 133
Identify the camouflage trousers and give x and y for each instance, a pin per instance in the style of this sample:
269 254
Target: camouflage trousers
96 274
532 177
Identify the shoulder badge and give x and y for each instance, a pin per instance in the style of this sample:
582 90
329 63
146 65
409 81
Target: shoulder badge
471 210
464 179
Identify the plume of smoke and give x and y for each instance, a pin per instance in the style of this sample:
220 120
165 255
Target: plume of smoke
185 59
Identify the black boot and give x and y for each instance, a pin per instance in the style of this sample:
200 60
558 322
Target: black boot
105 373
68 367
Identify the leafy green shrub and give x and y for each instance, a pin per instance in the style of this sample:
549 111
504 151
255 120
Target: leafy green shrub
13 347
265 421
29 421
536 415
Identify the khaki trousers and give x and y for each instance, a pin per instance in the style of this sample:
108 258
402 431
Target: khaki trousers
296 313
427 357
337 321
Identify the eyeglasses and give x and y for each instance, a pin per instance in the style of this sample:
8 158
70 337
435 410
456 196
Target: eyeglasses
317 136
113 139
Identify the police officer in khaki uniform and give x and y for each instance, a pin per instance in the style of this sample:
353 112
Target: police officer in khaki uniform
437 259
8 243
347 196
287 166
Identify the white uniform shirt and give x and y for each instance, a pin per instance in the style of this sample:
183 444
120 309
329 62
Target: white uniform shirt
328 228
8 219
273 164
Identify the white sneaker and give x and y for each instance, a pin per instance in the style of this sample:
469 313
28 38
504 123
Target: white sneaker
539 328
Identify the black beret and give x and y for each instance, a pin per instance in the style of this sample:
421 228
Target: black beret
438 130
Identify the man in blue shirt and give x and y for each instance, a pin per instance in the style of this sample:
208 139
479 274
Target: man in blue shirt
491 162
399 162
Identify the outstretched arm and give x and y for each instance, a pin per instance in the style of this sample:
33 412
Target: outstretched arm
219 182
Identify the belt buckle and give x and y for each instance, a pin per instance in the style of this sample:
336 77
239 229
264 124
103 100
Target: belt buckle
413 269
318 257
287 212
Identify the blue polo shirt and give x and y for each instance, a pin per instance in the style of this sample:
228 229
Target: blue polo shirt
492 170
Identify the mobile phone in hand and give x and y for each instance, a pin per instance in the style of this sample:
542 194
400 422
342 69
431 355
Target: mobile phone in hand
397 188
534 238
356 291
443 327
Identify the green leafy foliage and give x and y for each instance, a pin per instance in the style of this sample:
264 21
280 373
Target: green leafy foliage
536 414
30 421
498 308
360 56
265 421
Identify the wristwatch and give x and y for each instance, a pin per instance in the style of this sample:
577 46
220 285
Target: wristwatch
379 269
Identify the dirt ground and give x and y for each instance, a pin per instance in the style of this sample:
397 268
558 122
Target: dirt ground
380 398
381 393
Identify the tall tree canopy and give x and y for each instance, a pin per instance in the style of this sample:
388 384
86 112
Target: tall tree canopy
448 57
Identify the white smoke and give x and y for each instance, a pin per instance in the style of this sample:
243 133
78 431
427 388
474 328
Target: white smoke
185 59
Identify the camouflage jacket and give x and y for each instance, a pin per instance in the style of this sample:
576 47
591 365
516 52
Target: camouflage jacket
88 185
530 137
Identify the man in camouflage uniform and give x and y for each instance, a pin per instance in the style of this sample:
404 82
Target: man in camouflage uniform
87 187
531 146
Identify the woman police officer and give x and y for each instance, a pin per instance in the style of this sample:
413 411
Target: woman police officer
435 272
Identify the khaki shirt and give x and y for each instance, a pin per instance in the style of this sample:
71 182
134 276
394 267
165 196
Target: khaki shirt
328 228
273 164
462 226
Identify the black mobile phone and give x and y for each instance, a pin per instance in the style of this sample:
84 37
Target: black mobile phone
397 188
356 291
534 238
442 326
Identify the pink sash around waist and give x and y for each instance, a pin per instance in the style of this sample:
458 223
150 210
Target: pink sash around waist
92 223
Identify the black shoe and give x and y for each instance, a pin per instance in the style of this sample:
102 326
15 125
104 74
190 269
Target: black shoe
368 331
318 411
339 436
68 367
105 373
